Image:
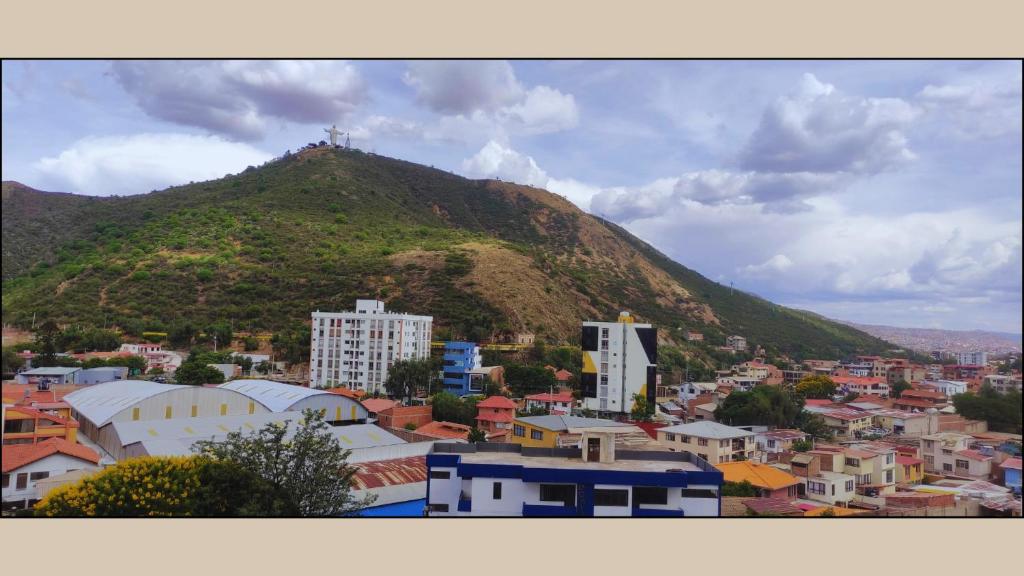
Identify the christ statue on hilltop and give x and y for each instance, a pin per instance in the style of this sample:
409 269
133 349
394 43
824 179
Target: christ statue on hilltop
333 131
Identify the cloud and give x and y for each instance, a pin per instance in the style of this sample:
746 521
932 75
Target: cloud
239 99
777 263
378 126
497 161
819 129
141 163
981 109
455 87
483 99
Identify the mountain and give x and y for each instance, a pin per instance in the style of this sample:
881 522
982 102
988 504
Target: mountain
322 227
932 339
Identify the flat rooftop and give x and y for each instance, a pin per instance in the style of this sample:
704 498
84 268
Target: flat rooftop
563 462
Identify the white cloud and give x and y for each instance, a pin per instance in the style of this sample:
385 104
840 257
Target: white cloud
777 263
239 99
985 108
819 129
143 162
456 87
544 110
497 161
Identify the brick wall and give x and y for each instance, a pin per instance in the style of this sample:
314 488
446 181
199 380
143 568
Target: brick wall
399 416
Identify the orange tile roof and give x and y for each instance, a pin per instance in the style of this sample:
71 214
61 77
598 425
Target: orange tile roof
15 393
375 405
444 430
545 397
496 402
346 392
17 455
760 475
563 375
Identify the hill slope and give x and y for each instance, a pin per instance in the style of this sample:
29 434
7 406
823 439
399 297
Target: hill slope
318 229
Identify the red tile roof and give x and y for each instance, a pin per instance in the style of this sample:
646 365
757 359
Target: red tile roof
347 392
774 506
907 460
972 455
16 393
817 402
914 403
922 393
444 430
375 405
390 472
563 375
545 397
17 455
497 402
1011 463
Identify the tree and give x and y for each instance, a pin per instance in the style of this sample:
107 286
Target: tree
802 445
250 343
136 364
814 425
46 344
1001 411
11 361
263 367
292 345
445 407
168 486
182 335
524 380
244 361
850 397
405 377
816 386
197 374
311 467
744 488
492 388
763 406
641 411
898 388
477 435
219 332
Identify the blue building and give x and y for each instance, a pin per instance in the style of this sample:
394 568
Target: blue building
1011 474
487 479
459 359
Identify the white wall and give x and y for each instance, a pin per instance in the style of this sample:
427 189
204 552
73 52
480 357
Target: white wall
54 464
510 504
445 491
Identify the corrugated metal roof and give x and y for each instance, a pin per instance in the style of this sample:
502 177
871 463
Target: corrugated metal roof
707 429
276 396
99 403
51 371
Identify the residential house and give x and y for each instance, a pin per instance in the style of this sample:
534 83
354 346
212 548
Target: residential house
30 425
547 431
694 336
444 430
863 385
598 479
460 359
737 343
140 348
376 405
935 392
560 403
620 361
494 415
909 470
950 453
793 376
738 382
769 481
711 441
843 422
821 477
25 464
477 376
776 441
1011 474
903 422
690 390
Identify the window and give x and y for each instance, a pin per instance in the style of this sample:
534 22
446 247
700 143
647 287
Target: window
703 457
518 430
438 507
888 476
723 443
684 439
38 476
608 497
496 491
22 481
947 467
564 493
440 474
650 495
833 489
962 464
853 462
771 443
536 435
865 479
6 480
698 493
670 437
702 441
816 487
947 452
849 485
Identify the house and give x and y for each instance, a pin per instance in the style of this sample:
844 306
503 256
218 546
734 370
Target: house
947 388
863 385
690 390
694 336
1011 474
494 415
547 431
874 466
478 375
843 422
741 383
821 477
25 464
909 470
140 348
402 416
776 441
444 430
53 376
769 481
560 403
711 441
771 507
598 479
950 453
737 343
1003 383
903 422
30 425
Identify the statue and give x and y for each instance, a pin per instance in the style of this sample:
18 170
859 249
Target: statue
333 131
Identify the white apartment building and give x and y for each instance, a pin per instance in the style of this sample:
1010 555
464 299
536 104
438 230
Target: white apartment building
620 359
355 349
971 358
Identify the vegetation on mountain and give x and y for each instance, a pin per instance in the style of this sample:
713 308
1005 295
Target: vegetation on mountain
259 250
1003 412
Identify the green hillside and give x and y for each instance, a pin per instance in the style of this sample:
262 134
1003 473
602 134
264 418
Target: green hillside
318 229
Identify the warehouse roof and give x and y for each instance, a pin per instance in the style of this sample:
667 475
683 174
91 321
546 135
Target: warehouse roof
101 402
51 371
707 429
276 396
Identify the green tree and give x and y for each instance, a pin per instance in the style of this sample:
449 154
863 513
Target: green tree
311 466
898 388
642 411
802 445
292 345
446 407
744 488
182 335
814 425
492 388
11 361
46 344
850 397
263 367
477 435
136 364
525 380
219 332
197 374
250 343
763 406
244 362
407 377
816 386
1001 411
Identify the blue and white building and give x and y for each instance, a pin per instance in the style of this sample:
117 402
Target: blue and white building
460 359
486 479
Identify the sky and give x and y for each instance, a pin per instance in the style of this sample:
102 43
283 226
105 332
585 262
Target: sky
880 192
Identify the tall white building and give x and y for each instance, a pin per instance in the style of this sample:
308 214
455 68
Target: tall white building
971 358
619 360
355 349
